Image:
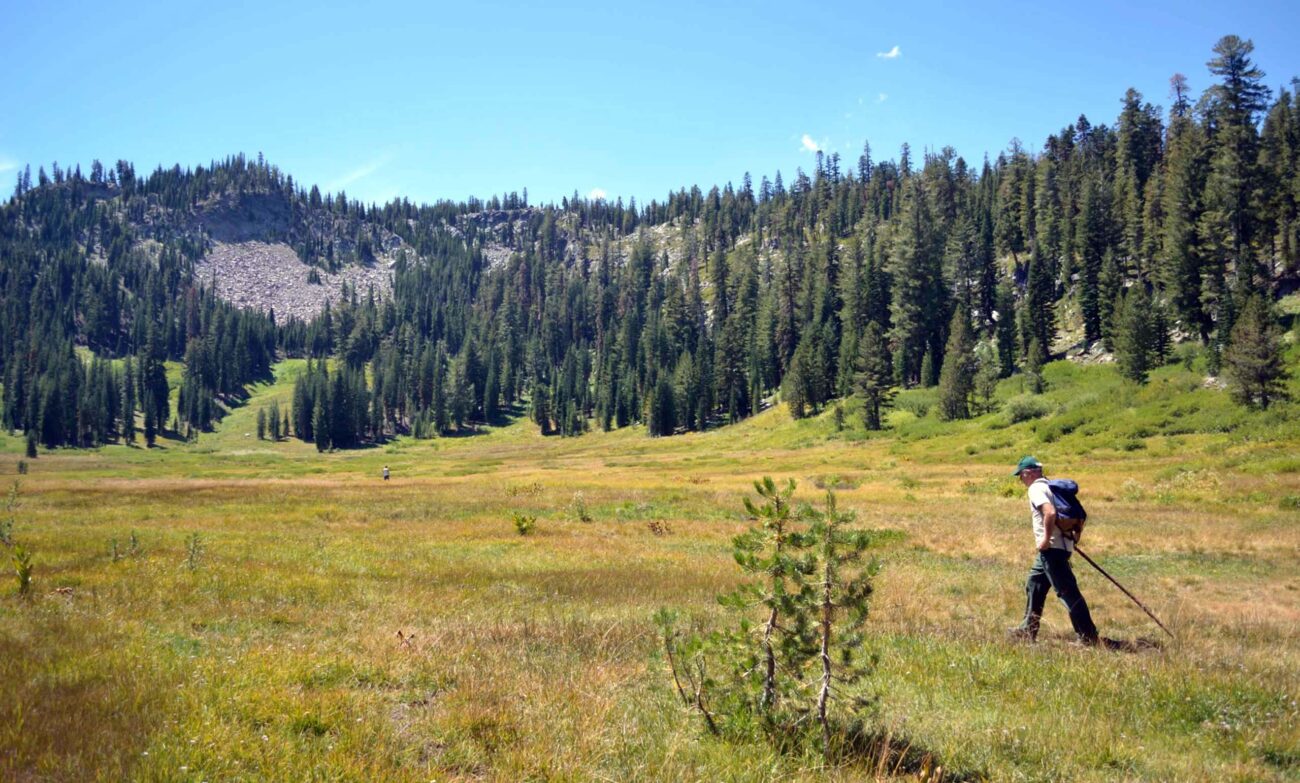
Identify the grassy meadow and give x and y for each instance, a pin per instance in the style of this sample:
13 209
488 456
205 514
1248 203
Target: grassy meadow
270 613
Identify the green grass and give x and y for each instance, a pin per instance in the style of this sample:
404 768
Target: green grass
534 657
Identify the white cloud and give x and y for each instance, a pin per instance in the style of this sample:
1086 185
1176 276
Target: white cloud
597 194
892 54
884 96
357 174
808 144
7 164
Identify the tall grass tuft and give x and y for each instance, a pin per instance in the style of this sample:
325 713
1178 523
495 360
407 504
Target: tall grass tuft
578 508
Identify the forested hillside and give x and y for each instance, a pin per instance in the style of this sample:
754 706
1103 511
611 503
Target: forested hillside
856 278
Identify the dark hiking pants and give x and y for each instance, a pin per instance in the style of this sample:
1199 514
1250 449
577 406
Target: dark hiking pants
1051 569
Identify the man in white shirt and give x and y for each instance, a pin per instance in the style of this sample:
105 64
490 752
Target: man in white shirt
1051 569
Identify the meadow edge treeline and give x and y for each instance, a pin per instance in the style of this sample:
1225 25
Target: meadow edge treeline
689 313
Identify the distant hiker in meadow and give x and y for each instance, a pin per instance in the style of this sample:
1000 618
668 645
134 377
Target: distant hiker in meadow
385 473
1051 568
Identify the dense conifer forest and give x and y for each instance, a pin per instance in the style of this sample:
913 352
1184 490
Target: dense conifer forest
850 280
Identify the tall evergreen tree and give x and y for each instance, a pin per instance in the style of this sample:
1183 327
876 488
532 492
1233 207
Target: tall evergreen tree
873 381
1253 359
1135 337
956 381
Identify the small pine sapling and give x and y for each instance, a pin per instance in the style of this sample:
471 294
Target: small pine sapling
194 550
843 598
524 524
23 569
771 549
778 678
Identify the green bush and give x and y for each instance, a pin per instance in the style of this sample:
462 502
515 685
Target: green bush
916 405
1026 407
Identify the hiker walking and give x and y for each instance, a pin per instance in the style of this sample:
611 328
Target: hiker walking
1051 567
385 473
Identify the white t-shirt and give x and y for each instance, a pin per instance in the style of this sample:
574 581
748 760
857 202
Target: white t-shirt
1040 493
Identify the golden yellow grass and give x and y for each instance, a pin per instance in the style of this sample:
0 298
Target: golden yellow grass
533 657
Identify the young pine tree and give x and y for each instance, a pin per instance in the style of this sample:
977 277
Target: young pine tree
1034 358
873 382
662 419
273 420
1135 341
842 603
956 380
1253 358
986 376
797 648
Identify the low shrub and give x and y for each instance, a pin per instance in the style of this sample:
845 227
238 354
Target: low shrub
1026 407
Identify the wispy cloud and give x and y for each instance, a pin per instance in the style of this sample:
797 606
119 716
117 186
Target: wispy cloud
884 96
892 54
597 194
809 145
7 164
357 174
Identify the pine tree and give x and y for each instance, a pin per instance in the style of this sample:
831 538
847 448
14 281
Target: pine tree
273 420
1040 303
1253 358
1134 335
796 387
1034 358
956 380
320 425
1110 288
916 279
987 375
928 375
1233 177
261 424
1006 330
1092 244
662 418
150 424
128 401
540 409
873 381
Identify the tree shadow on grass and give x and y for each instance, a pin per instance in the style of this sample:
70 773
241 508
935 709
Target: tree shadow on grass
892 754
1132 645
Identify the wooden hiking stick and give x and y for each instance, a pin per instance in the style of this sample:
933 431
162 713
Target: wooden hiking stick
1150 614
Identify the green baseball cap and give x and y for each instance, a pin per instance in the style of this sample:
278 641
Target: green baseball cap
1025 464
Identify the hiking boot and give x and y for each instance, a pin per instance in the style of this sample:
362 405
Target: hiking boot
1022 633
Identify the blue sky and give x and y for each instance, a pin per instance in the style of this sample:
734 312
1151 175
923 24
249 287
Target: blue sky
432 100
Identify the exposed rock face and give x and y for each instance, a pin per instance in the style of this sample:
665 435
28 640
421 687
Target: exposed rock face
260 276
